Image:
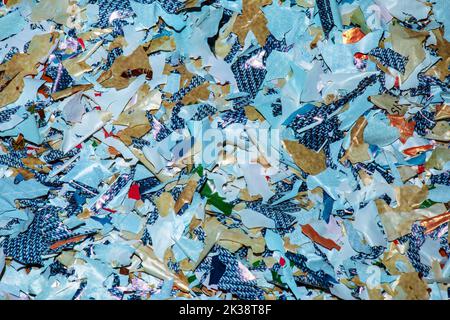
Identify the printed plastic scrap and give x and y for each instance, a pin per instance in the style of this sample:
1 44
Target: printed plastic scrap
224 149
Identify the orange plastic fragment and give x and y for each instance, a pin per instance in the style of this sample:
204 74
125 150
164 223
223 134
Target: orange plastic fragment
317 238
352 35
416 150
406 128
431 224
60 243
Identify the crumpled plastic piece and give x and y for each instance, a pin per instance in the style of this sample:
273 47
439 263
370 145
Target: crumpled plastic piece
255 150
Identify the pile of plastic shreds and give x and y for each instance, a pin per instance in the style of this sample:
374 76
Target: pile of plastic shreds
102 192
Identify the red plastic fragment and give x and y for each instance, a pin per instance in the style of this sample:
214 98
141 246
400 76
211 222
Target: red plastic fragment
109 210
107 134
361 56
134 192
81 42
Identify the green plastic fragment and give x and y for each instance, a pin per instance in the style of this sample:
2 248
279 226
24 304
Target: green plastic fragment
276 277
257 263
216 200
427 203
192 278
198 170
